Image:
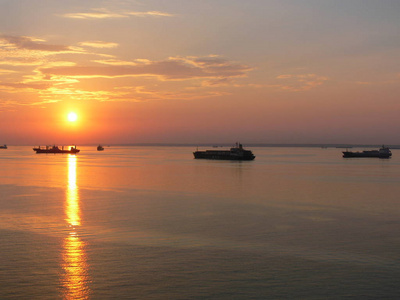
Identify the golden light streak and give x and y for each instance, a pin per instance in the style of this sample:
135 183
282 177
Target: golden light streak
75 267
75 278
72 209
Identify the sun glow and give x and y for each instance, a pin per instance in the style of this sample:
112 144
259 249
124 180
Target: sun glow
72 117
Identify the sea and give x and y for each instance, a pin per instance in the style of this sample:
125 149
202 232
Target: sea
152 222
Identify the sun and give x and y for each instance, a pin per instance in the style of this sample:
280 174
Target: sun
72 117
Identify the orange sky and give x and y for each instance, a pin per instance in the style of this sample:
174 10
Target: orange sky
199 71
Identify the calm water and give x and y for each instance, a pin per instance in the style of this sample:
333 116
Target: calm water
153 223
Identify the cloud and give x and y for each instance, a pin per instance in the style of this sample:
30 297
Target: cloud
29 51
99 13
175 68
121 94
116 62
23 51
149 13
70 93
17 86
20 61
102 13
29 43
284 76
142 93
299 82
3 71
33 74
217 82
98 44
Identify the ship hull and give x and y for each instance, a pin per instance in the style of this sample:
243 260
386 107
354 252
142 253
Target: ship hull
222 155
347 154
56 151
235 153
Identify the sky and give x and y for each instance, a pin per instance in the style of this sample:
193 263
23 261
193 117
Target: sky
193 72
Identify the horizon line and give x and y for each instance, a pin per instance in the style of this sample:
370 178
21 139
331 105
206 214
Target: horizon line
311 145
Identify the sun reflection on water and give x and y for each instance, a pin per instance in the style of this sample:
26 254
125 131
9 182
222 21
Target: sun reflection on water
76 277
72 209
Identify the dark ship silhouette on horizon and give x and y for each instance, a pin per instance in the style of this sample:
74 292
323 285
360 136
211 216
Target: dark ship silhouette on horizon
235 153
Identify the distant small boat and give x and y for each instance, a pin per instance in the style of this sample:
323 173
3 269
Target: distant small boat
3 147
235 153
383 152
56 149
100 148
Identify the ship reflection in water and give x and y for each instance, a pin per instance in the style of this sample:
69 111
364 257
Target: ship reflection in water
75 278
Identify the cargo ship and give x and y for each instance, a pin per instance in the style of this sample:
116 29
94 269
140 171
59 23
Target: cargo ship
235 153
56 149
383 152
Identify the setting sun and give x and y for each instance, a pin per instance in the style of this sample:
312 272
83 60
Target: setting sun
72 117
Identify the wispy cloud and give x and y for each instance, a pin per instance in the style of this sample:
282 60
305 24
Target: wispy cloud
99 44
174 68
149 13
99 13
102 13
2 71
29 43
299 82
18 86
71 93
29 51
31 67
116 62
217 82
143 93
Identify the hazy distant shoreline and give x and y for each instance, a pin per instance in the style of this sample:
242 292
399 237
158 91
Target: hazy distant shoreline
231 144
260 145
